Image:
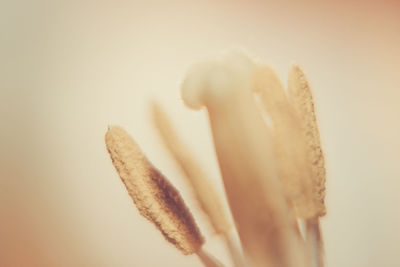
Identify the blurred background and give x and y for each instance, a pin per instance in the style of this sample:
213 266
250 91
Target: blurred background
68 69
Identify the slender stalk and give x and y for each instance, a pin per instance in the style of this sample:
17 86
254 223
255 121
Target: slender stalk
314 242
234 251
207 259
204 192
206 196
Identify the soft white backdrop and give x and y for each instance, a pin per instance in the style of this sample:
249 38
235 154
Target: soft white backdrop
68 70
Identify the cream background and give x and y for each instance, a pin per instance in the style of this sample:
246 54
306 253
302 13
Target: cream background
70 69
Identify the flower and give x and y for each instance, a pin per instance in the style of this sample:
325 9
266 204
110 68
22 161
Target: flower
273 173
